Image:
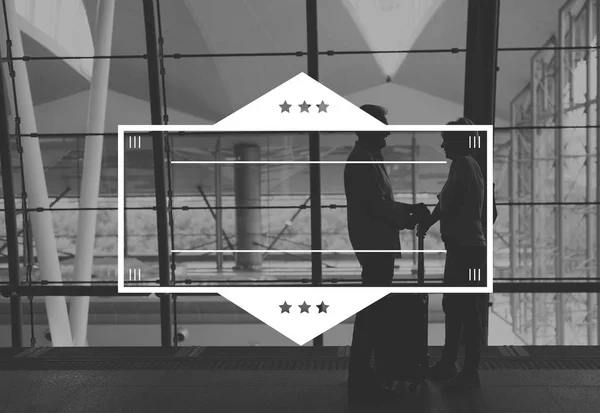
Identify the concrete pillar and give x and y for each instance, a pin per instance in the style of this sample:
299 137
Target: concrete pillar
247 188
92 168
35 185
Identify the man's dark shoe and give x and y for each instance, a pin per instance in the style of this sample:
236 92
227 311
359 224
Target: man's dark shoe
464 380
399 388
371 394
361 378
442 370
368 387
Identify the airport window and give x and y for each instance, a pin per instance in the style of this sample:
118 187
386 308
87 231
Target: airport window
545 159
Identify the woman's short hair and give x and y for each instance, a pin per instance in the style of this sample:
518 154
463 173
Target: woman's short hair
458 137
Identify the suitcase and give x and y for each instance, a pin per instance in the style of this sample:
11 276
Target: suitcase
402 353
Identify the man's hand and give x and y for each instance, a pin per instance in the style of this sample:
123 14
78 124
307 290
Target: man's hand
421 213
413 214
412 222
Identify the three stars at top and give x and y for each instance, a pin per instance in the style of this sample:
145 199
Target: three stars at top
285 307
285 107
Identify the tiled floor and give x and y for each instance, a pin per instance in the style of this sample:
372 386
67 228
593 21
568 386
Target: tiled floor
146 389
285 391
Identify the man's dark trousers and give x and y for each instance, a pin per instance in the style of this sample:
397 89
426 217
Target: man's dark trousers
369 324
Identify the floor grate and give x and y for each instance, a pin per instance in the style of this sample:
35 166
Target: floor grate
264 364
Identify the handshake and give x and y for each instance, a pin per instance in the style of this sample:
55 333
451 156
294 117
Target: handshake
419 215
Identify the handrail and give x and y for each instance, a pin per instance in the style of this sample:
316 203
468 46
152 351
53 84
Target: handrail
501 286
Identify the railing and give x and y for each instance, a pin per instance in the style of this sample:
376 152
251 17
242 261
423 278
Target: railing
108 289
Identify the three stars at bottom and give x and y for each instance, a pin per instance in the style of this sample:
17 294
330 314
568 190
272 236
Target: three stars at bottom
285 307
285 107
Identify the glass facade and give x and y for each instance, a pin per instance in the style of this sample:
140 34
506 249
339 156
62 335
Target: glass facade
546 167
544 153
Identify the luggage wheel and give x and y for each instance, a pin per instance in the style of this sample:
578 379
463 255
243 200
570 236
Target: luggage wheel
413 386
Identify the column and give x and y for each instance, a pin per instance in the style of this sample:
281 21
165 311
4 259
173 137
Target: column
414 180
480 86
513 196
589 181
535 251
598 163
10 217
219 204
314 149
248 215
158 150
559 196
37 191
92 168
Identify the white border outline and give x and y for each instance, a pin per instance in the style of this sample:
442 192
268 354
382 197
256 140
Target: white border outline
300 251
304 162
216 128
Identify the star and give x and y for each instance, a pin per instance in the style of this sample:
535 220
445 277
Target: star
304 107
285 107
285 307
323 107
322 307
304 308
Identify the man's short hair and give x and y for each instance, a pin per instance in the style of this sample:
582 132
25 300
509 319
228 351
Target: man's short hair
378 112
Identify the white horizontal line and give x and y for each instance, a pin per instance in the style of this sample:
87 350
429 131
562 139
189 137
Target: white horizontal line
307 162
303 251
278 129
288 289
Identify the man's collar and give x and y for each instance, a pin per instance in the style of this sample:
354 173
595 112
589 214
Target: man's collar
374 149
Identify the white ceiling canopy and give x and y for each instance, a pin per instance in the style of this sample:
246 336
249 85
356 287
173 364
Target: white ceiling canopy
62 27
213 87
391 25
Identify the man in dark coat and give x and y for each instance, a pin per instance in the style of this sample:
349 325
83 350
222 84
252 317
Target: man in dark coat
374 222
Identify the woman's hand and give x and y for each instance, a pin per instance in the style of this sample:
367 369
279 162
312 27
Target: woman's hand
424 226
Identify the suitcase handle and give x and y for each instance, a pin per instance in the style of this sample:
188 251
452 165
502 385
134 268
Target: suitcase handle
420 257
425 298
